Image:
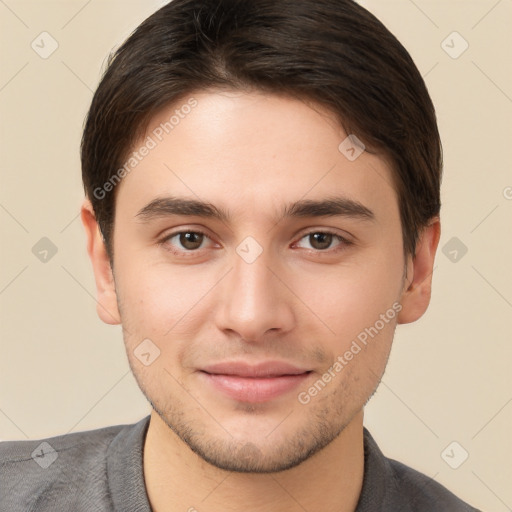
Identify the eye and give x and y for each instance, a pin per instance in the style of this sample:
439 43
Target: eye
189 241
184 241
322 240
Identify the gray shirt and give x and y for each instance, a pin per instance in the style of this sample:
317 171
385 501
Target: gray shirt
102 470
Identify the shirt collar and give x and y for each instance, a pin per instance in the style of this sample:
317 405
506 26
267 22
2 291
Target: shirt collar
125 469
377 477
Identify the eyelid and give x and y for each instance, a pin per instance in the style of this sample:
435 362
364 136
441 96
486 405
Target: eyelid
327 230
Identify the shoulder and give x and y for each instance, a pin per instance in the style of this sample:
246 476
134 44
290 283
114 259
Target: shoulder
390 485
423 493
63 471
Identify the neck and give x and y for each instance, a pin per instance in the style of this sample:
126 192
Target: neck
178 480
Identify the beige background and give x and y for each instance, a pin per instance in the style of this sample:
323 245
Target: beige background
448 379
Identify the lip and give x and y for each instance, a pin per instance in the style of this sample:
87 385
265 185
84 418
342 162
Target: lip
264 369
254 383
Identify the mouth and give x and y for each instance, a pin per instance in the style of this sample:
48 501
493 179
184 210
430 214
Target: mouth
254 383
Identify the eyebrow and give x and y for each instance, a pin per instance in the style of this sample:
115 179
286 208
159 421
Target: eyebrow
329 207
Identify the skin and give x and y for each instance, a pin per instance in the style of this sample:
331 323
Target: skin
298 302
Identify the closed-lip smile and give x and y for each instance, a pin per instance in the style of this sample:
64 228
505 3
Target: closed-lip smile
255 383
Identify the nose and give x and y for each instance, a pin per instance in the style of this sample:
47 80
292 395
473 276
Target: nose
254 300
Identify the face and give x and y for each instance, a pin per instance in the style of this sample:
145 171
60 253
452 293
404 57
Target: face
267 315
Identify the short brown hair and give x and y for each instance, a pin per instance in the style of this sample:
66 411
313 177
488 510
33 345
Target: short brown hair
332 52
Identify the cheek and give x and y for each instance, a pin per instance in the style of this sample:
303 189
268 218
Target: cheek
358 305
169 306
155 297
346 299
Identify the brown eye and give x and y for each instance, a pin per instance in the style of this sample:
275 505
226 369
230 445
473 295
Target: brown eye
183 242
320 241
190 240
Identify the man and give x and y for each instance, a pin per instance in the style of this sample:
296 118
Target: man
262 209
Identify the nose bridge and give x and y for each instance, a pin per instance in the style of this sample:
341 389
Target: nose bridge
253 284
253 299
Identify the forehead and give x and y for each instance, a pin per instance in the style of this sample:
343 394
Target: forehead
248 152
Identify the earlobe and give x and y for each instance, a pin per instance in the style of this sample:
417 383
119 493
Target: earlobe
416 294
106 304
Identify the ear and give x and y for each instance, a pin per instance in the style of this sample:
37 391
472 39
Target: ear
416 294
106 304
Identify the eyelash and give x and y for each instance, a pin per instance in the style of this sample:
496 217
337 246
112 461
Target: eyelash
344 243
